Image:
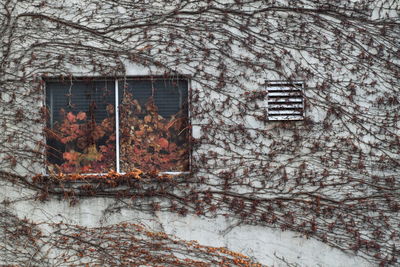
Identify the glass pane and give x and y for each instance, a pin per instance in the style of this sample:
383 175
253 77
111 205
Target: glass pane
81 126
154 128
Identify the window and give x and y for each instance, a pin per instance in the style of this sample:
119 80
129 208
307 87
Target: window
285 101
98 125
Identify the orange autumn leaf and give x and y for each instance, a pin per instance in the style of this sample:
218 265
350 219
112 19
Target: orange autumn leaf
71 117
71 156
108 124
163 143
85 168
81 116
136 173
147 119
68 139
97 133
139 133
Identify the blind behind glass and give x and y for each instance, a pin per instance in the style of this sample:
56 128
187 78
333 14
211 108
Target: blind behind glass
91 97
170 95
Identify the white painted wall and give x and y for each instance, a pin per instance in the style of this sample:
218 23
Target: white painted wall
262 244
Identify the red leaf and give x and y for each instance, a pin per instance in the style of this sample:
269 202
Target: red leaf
81 116
85 168
163 143
71 156
71 117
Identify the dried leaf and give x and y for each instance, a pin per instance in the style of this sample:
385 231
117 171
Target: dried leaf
71 156
163 143
81 116
147 119
71 117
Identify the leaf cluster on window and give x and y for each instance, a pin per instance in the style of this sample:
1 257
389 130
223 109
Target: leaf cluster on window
151 126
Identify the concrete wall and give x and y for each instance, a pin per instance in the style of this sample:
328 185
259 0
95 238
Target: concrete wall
262 244
265 245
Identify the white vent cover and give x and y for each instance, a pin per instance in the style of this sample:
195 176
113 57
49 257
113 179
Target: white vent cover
285 101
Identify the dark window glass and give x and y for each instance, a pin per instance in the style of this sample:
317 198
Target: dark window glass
154 125
81 126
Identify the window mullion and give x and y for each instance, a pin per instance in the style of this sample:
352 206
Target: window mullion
117 126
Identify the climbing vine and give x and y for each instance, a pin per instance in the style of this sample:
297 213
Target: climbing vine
332 176
121 244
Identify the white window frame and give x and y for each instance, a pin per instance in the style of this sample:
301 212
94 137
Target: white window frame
117 137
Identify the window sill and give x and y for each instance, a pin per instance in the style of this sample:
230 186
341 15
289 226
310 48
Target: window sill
106 185
138 175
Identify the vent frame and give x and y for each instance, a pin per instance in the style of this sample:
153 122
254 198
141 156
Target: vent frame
285 101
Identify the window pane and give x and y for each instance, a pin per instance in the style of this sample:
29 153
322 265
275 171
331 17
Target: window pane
81 126
154 125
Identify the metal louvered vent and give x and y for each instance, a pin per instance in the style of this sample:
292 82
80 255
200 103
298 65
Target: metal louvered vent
285 101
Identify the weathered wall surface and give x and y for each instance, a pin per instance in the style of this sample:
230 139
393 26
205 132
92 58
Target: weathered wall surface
324 190
271 247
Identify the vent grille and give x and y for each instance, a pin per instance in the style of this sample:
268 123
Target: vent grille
285 101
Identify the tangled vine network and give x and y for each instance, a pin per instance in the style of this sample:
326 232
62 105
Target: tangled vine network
333 176
117 245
